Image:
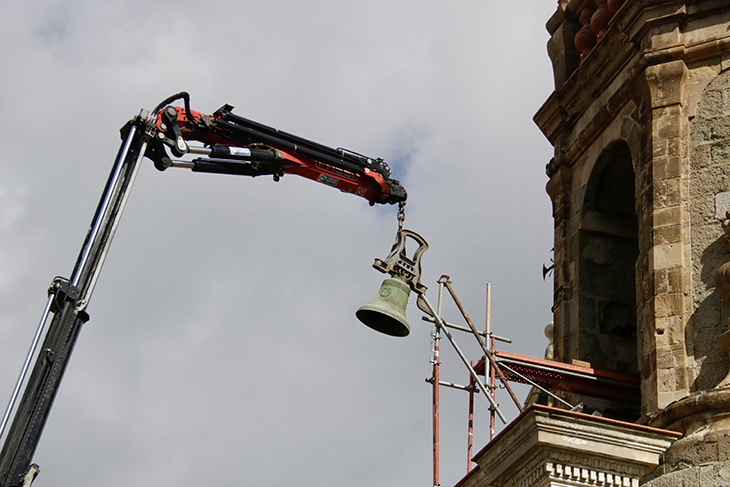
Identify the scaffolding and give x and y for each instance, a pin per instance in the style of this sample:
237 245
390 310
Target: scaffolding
546 376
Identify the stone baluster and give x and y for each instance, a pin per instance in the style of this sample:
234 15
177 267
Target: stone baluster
600 18
585 38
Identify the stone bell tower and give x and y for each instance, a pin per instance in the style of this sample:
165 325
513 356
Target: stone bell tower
640 187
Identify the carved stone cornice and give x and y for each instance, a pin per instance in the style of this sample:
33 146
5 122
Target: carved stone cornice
553 442
559 465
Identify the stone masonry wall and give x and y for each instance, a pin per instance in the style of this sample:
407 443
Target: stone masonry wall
710 200
648 83
657 80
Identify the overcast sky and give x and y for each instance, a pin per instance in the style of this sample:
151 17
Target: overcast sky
223 348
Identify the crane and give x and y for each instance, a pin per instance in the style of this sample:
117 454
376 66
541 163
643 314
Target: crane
230 144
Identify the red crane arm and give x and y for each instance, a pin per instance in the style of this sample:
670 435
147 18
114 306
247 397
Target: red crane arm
236 145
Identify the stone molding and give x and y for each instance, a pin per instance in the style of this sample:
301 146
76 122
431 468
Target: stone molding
549 446
633 49
583 476
671 417
552 465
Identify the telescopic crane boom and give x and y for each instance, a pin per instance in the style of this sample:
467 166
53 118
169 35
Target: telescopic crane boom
231 145
235 145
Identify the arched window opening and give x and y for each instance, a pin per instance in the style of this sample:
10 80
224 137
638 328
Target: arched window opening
606 276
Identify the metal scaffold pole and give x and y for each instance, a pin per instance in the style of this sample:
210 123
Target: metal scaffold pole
436 336
489 374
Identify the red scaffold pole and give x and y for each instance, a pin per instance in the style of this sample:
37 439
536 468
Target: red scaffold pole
470 440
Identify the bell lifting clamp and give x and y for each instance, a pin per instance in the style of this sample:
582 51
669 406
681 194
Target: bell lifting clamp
399 264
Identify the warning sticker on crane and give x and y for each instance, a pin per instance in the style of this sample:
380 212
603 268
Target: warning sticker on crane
323 178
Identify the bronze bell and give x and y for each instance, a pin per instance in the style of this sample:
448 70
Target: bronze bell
387 312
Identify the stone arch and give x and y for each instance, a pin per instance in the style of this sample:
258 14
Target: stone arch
608 249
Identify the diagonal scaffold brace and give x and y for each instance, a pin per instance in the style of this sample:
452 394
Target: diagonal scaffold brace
487 352
425 306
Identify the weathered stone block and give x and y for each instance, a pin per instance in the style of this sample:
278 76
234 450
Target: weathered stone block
701 157
677 279
668 216
660 194
660 149
668 305
702 130
667 83
671 329
667 256
661 284
667 128
674 191
719 154
675 147
667 234
669 357
674 167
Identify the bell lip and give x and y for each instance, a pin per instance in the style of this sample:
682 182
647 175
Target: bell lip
399 328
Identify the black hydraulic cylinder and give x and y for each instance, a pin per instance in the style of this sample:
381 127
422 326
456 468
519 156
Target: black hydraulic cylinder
224 166
293 140
244 153
282 141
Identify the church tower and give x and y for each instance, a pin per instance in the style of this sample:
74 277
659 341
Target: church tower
640 188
